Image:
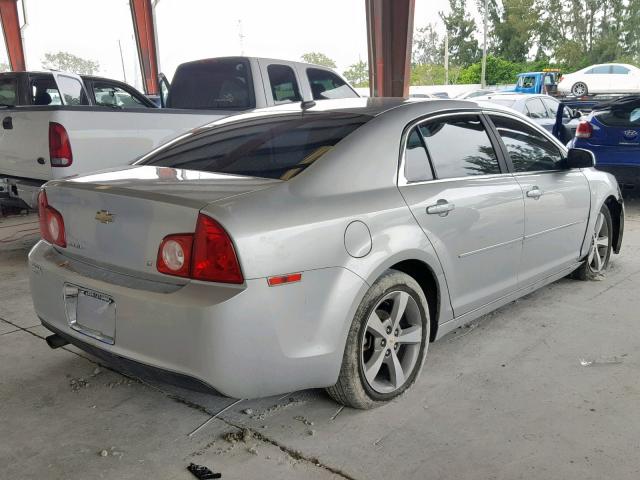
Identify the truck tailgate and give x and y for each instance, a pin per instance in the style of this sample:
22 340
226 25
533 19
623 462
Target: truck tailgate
24 148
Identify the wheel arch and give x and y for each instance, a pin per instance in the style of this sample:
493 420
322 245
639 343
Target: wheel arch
617 218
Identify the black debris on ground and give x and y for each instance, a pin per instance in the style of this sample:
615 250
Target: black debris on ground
201 472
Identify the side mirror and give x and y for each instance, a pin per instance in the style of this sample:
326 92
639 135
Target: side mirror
580 158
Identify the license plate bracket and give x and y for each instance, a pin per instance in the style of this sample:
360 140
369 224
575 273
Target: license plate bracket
91 313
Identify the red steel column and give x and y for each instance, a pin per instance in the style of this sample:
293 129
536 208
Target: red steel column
12 37
389 35
142 13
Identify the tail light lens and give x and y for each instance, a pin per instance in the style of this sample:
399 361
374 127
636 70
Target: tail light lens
59 146
51 222
206 255
584 130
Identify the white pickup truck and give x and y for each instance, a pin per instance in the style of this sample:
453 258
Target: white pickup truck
56 124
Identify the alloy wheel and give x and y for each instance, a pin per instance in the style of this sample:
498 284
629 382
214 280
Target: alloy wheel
391 342
579 89
599 245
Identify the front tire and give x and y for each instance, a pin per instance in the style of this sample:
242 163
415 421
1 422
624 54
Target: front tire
579 89
386 345
600 250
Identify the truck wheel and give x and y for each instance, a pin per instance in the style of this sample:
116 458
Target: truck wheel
600 251
580 89
386 345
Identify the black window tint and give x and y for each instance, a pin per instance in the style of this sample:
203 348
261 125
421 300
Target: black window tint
279 147
459 147
325 85
619 70
44 91
284 86
536 109
530 150
416 161
212 84
8 87
72 91
620 115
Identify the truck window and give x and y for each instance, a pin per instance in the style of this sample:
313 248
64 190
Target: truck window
213 84
284 86
44 91
527 81
278 147
113 96
72 91
325 85
8 88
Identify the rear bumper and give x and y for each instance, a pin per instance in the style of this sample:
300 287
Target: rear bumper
244 342
23 191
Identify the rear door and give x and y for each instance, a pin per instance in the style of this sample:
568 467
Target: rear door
456 184
556 200
598 79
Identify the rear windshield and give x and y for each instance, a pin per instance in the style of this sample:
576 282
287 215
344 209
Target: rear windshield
278 148
223 84
503 102
628 116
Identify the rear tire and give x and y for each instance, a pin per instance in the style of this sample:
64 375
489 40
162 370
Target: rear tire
579 89
600 249
386 344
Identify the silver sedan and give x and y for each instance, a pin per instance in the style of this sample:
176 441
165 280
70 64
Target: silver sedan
316 246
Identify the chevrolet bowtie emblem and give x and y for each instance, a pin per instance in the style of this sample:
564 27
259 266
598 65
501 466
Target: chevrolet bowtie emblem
103 216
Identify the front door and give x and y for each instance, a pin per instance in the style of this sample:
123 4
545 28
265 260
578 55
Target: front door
469 208
556 200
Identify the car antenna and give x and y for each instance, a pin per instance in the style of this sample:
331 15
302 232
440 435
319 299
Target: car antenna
307 104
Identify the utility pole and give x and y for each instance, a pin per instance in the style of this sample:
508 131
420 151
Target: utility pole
484 47
124 72
446 58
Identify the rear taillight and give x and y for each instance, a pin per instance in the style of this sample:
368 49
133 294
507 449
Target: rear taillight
206 255
584 129
51 222
59 146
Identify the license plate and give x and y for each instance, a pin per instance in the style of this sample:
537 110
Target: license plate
91 313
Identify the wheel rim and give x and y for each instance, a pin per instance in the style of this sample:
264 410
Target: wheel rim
599 245
579 89
391 342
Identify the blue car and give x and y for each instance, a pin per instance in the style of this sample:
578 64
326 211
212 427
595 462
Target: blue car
612 133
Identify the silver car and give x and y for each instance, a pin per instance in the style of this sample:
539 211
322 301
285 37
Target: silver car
316 246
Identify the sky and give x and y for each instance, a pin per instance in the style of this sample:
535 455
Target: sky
194 29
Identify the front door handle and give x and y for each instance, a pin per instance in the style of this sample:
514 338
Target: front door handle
7 123
534 193
442 208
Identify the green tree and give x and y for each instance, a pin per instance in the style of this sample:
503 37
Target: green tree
461 29
68 62
499 71
358 74
318 58
428 48
514 30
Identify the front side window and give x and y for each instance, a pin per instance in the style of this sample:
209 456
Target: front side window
326 85
416 160
113 96
44 91
274 147
8 89
284 86
72 91
459 147
536 109
530 150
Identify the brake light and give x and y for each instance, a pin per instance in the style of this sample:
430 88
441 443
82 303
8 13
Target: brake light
584 129
207 254
59 146
51 222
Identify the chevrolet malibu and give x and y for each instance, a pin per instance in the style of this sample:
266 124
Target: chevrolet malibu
317 245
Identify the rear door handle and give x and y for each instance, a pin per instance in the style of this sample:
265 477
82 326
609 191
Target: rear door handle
442 208
7 123
534 193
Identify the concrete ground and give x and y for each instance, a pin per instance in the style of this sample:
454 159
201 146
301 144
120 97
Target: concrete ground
546 387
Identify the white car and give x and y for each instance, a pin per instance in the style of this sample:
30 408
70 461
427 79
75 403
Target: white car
605 78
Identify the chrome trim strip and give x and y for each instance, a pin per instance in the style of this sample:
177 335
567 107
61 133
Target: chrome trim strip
549 230
490 247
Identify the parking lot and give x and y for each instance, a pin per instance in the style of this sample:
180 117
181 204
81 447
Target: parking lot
546 387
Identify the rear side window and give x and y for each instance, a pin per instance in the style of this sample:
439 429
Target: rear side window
530 150
326 85
536 109
8 87
72 91
109 95
224 84
44 91
601 70
284 86
459 147
619 70
416 160
276 147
